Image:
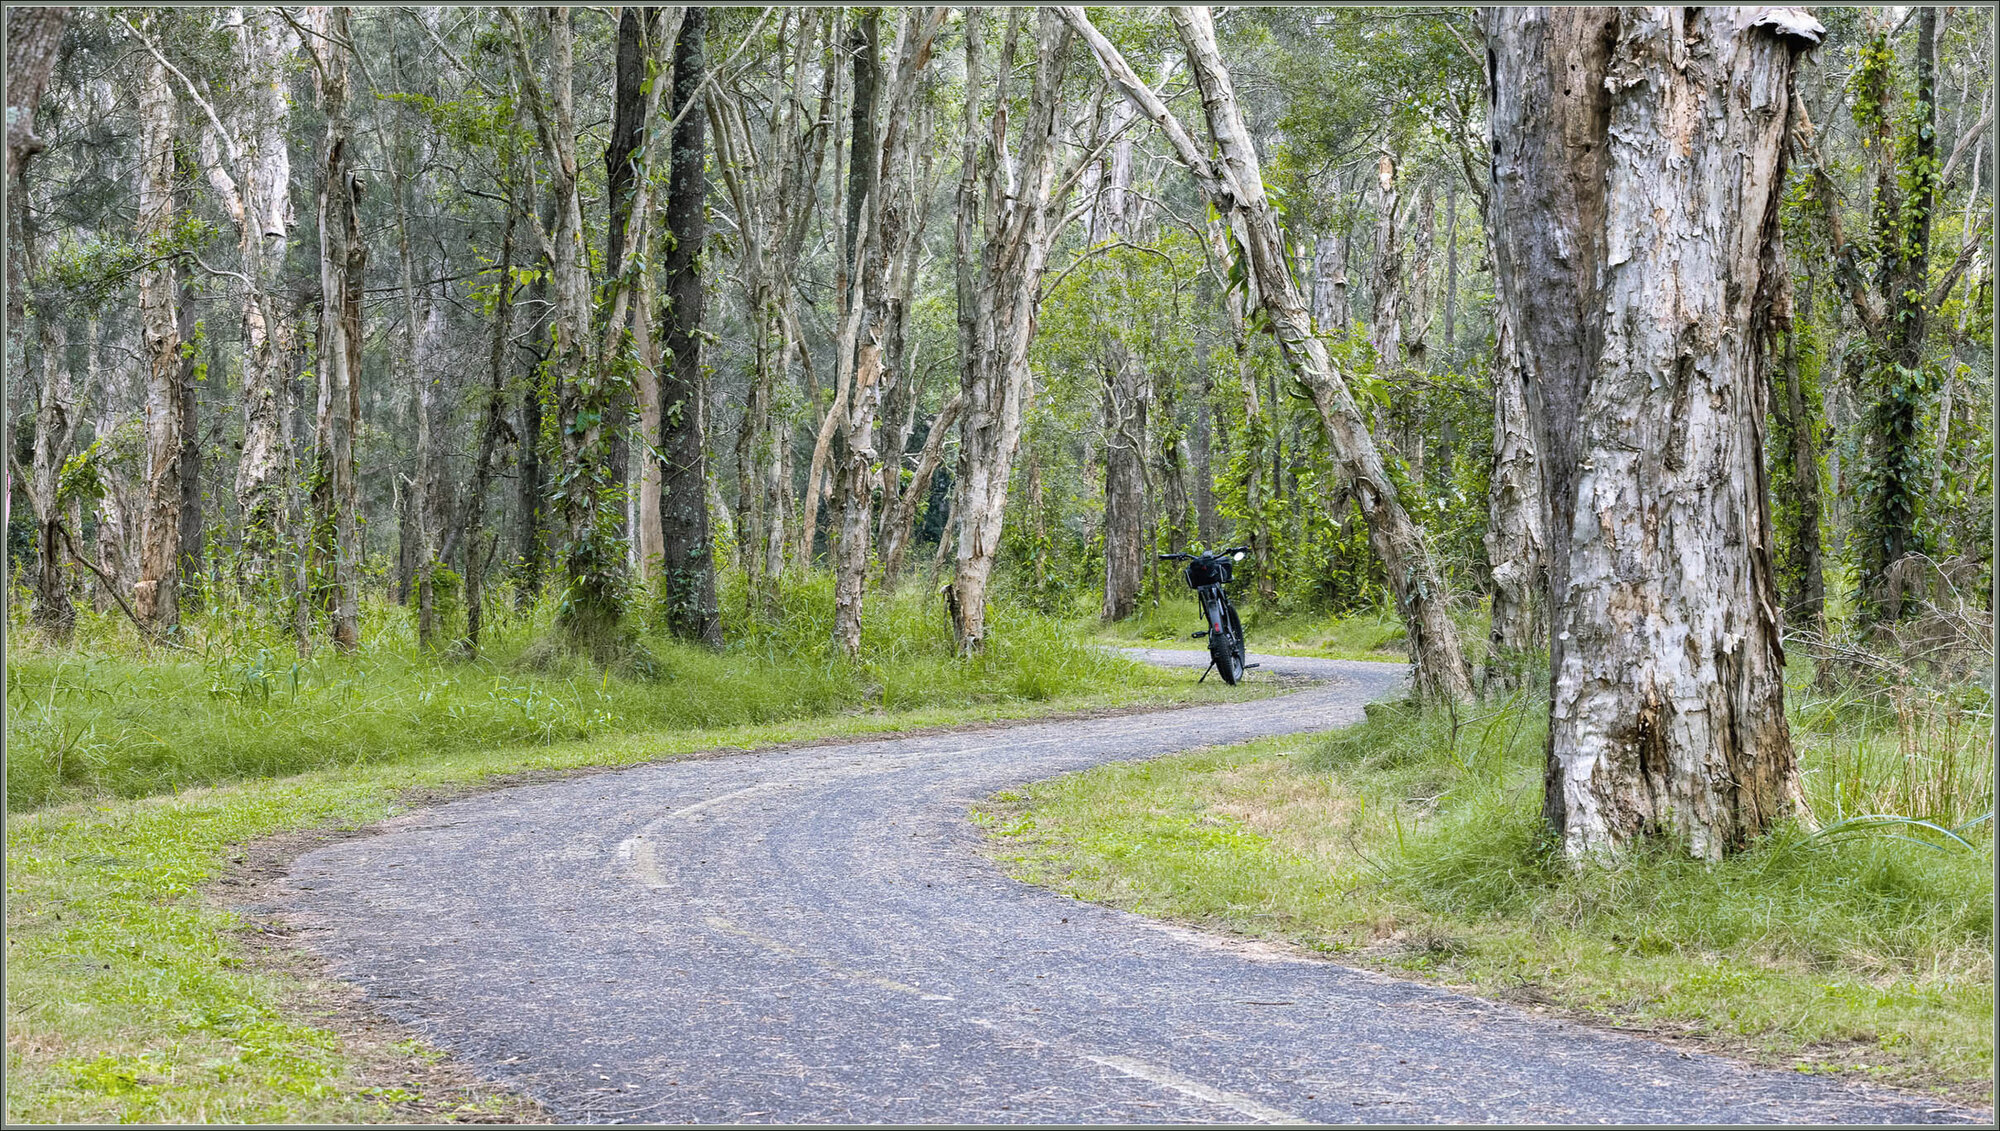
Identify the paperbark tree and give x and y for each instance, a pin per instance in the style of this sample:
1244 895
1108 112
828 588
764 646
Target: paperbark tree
885 209
1234 184
688 551
637 29
249 165
155 597
1637 166
1385 318
115 552
1123 398
772 187
593 551
33 35
57 416
343 259
1006 195
1515 538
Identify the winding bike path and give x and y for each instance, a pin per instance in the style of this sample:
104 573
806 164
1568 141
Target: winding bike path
812 936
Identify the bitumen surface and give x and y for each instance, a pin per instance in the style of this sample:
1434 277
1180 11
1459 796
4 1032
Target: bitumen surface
811 936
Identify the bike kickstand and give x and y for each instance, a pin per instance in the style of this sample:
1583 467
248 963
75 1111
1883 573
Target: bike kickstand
1205 671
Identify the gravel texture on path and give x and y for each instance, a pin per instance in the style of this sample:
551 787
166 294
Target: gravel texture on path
811 935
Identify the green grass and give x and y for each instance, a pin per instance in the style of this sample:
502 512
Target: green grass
129 995
103 719
1413 842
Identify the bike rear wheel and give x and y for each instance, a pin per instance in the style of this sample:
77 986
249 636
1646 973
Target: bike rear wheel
1226 648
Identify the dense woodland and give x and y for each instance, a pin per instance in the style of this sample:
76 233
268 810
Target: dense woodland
639 312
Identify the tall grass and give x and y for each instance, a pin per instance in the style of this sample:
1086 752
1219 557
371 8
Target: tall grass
108 715
1886 875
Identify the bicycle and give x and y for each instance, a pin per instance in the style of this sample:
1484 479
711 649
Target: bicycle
1206 574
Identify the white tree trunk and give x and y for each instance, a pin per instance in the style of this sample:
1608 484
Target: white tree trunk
155 597
342 260
1637 171
258 200
997 283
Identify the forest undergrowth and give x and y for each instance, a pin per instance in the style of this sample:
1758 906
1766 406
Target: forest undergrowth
106 716
1856 939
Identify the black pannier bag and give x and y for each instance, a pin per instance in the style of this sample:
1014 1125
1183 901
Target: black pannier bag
1209 571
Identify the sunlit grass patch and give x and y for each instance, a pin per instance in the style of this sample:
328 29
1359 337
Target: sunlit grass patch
1414 841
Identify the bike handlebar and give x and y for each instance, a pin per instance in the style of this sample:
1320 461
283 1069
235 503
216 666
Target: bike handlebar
1222 553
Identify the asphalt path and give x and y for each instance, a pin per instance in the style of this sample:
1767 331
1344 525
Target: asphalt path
811 935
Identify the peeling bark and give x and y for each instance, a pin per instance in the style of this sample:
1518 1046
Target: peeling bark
770 176
57 416
342 262
155 597
1515 539
257 198
1637 169
999 273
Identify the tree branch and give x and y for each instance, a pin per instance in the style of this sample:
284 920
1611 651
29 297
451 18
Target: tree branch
1966 139
110 586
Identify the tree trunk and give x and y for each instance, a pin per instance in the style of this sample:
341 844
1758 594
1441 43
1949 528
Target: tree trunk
688 553
1235 186
861 357
1385 319
632 110
56 420
1124 398
998 277
425 506
532 483
1636 242
1330 310
155 597
774 215
1207 527
593 550
1171 454
632 106
1515 538
1796 419
192 551
1124 483
258 200
33 35
114 528
1451 274
342 262
470 527
1896 480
